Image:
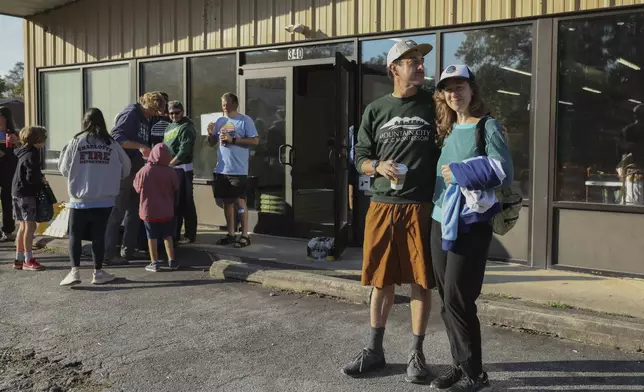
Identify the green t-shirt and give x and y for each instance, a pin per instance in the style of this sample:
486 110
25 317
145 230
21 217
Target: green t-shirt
402 129
180 138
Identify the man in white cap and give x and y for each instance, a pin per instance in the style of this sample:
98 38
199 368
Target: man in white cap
398 131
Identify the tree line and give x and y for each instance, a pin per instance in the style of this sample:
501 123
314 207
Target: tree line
13 83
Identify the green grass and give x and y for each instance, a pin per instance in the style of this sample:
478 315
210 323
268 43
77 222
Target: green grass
560 305
500 296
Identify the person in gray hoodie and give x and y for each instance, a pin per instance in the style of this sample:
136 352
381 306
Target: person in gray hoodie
94 164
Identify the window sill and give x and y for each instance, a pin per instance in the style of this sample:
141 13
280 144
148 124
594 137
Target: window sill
583 206
202 181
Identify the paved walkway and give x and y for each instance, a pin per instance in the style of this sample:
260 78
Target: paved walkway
185 331
581 307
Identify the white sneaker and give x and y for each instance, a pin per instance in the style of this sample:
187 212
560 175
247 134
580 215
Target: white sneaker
101 277
72 278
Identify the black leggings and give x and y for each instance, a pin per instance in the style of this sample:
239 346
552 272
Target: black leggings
80 220
459 277
7 168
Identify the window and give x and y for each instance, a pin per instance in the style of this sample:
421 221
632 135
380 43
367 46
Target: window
375 82
62 105
600 116
501 59
210 78
165 76
107 88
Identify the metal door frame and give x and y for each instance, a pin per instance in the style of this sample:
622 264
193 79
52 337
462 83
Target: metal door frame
287 73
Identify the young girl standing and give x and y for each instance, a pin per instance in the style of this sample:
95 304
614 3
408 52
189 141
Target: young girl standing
94 165
158 186
28 181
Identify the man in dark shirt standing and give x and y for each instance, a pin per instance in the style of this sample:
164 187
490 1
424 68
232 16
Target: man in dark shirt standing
132 132
398 128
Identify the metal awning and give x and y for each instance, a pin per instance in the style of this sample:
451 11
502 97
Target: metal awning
25 8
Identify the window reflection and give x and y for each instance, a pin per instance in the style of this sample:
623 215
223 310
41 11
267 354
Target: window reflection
210 78
501 59
266 105
600 117
375 82
165 76
62 104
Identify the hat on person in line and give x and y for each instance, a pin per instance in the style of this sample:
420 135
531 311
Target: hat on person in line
175 105
403 47
455 71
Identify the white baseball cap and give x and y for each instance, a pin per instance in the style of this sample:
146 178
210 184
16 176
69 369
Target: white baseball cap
455 71
401 48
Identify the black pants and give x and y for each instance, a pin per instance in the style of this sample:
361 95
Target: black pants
185 208
80 220
459 278
7 168
8 224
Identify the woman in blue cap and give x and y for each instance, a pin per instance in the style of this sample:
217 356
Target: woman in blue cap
470 167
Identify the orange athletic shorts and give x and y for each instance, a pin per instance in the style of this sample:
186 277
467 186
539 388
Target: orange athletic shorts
396 245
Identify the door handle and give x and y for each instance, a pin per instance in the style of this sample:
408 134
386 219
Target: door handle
291 155
279 154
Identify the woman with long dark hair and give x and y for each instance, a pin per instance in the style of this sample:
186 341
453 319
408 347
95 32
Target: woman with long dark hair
474 161
9 140
94 165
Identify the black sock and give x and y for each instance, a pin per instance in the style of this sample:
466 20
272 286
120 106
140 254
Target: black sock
375 340
417 343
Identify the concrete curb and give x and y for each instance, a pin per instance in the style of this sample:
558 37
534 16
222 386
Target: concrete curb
571 324
58 245
599 329
299 281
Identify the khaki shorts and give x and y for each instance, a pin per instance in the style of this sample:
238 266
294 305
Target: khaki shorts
396 245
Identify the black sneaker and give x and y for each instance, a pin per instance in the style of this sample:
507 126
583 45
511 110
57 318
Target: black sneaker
453 375
466 384
417 371
365 362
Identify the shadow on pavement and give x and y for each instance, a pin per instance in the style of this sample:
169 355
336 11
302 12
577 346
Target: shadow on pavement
594 375
490 278
126 284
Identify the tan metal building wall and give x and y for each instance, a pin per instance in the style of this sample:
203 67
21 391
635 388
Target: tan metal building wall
99 30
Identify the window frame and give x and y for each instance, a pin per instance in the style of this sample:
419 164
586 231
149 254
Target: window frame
40 97
188 99
186 81
554 85
84 75
438 49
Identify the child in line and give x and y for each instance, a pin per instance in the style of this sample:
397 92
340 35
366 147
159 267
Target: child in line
28 181
158 186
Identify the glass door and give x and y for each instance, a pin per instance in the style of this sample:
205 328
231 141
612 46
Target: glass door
345 118
266 96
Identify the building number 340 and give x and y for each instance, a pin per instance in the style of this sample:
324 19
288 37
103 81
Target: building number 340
296 54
